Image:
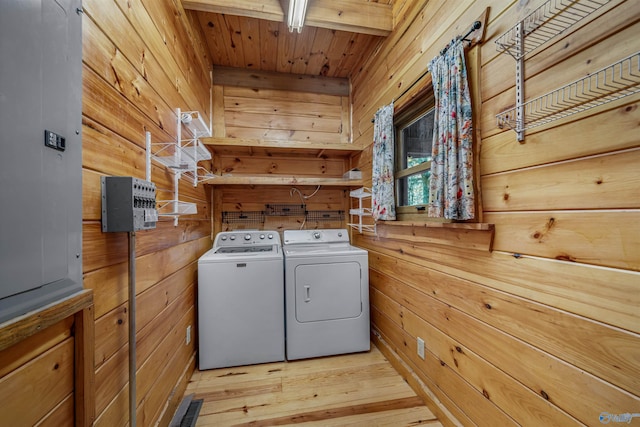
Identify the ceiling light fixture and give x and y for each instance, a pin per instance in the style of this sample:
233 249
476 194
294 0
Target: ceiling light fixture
297 11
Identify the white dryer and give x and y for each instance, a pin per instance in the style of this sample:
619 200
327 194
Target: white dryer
326 294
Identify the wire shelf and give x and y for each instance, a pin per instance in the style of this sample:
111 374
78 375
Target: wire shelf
325 215
176 208
194 122
196 151
360 211
284 210
371 228
174 156
199 174
544 23
249 217
605 85
169 154
360 193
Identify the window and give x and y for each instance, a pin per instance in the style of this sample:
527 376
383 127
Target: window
414 135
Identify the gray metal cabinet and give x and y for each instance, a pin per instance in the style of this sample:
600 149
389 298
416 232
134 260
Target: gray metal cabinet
40 153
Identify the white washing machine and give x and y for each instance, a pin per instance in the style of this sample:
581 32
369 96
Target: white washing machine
241 300
326 293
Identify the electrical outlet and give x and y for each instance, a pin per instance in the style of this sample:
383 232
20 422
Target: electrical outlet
188 334
421 348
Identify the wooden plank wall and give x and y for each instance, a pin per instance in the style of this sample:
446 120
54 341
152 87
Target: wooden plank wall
545 329
140 63
280 107
267 108
245 198
36 378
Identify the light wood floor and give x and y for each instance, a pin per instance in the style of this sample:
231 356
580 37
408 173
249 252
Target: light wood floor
351 390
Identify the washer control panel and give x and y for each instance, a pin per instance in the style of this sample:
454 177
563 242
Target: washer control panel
246 238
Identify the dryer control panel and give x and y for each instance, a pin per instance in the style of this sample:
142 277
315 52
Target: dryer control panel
339 235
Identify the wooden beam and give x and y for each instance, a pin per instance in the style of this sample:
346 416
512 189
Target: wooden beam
270 10
357 16
354 16
227 76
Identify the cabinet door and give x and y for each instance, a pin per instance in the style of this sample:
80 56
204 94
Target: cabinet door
329 291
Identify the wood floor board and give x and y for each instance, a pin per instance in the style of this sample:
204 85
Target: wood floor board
394 418
359 389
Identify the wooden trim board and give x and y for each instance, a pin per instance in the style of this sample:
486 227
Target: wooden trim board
477 236
227 76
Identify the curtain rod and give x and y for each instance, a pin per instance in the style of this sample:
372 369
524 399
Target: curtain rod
474 27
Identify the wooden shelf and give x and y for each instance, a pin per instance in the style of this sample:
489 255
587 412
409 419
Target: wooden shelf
476 236
317 149
282 180
15 330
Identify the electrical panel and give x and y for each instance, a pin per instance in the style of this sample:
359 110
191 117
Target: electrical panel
41 159
128 204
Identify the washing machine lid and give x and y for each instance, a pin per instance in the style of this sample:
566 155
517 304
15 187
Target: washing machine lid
253 253
246 250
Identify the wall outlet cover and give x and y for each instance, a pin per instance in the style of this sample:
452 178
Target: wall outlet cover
421 348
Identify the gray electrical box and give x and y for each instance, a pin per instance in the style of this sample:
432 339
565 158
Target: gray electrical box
40 153
128 204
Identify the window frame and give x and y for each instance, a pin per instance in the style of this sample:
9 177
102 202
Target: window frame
421 103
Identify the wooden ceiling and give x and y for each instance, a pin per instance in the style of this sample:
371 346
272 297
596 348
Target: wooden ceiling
254 35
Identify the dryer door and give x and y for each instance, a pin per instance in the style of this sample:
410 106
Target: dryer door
328 291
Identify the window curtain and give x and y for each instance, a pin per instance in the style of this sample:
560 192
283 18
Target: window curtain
383 202
451 193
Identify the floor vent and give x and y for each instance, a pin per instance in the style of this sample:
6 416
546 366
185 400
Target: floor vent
189 419
187 413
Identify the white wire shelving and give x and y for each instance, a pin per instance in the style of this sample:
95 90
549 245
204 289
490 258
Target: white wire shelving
195 124
176 208
545 23
360 212
608 84
182 157
605 85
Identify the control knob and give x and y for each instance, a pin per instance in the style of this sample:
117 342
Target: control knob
247 237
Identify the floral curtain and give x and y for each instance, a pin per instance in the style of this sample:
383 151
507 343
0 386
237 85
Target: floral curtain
383 202
451 192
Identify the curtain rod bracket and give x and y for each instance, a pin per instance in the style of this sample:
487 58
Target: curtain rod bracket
474 27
